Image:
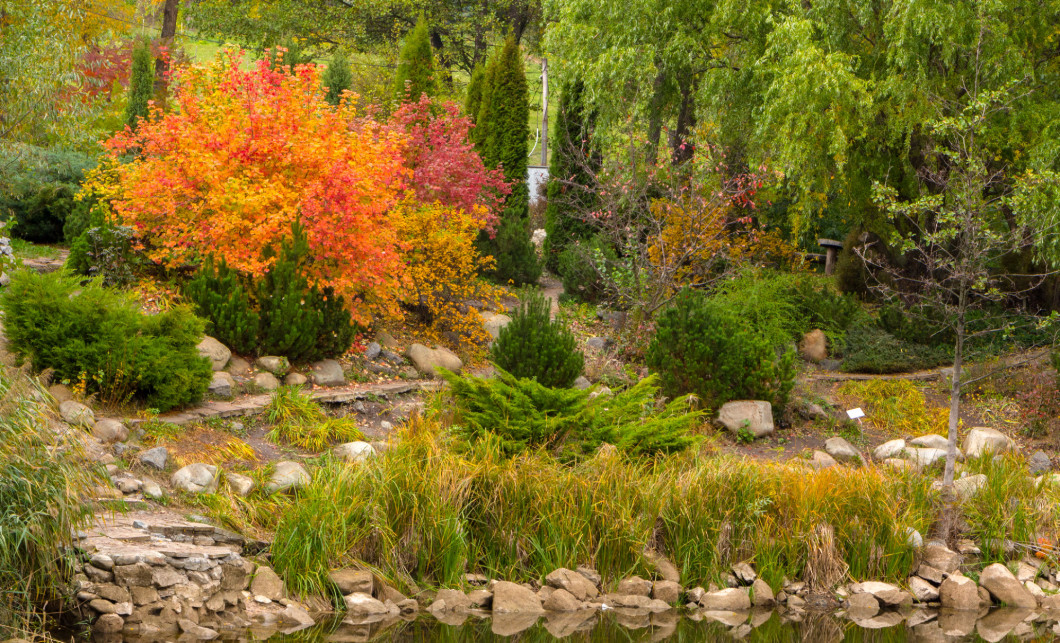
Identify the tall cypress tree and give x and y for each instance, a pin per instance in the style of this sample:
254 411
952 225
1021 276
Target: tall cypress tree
415 73
505 132
337 78
474 93
141 85
573 161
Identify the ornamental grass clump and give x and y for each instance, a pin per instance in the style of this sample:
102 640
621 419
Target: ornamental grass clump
535 346
424 512
43 486
299 421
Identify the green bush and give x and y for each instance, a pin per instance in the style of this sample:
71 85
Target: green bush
533 345
523 414
297 321
220 298
97 335
766 301
39 216
86 213
578 268
851 274
106 251
870 349
824 308
701 348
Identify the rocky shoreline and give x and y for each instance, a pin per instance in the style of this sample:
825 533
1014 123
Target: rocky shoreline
151 575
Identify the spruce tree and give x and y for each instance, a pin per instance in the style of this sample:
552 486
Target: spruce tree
415 73
474 93
505 133
337 78
141 85
570 170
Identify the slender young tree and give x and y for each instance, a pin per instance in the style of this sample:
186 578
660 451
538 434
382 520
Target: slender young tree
141 85
337 78
571 172
415 73
503 141
474 92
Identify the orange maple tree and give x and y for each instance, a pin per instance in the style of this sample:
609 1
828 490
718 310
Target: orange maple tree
246 153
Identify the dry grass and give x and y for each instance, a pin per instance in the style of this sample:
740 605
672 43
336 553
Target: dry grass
894 407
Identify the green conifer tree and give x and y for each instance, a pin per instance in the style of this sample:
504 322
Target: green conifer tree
415 73
473 100
337 78
573 161
504 142
141 85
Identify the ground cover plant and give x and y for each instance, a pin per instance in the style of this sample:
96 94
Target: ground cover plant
97 336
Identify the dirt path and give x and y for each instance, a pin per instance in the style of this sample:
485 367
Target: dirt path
552 288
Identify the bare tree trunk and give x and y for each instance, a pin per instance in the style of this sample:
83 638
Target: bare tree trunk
955 389
169 29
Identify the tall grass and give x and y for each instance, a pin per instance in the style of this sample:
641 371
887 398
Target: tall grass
423 511
43 484
300 422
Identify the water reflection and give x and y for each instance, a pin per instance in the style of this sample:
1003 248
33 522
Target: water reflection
1002 624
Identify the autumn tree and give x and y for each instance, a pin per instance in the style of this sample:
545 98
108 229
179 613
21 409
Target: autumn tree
244 156
337 78
415 72
141 85
503 137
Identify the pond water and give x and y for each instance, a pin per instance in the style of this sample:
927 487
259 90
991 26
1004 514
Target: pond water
1001 624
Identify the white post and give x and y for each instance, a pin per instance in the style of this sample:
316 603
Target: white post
544 112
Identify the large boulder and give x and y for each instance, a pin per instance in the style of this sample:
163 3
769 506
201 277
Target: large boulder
77 414
327 372
1005 587
494 322
428 360
931 441
888 450
573 582
278 366
196 478
959 593
287 475
354 451
982 441
755 416
509 598
267 583
940 557
925 457
352 581
841 450
762 593
108 430
215 351
814 346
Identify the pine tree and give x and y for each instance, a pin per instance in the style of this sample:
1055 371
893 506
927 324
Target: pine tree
504 142
415 73
337 78
474 93
141 85
573 162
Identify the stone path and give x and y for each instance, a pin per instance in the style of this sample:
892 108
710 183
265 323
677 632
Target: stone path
254 404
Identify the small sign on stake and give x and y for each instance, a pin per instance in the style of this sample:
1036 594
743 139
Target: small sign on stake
857 414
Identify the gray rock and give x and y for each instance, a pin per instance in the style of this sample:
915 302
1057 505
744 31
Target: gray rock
363 605
634 586
108 430
981 441
77 414
494 322
931 441
428 360
941 557
579 586
215 351
391 357
239 484
922 458
841 450
887 450
153 490
914 538
221 385
821 460
451 600
732 599
755 416
744 573
509 598
327 372
297 614
266 382
562 601
372 351
352 581
888 595
762 593
959 593
666 591
1005 587
1039 462
862 605
968 486
922 591
267 583
295 379
598 343
108 624
238 366
196 478
354 451
276 365
287 475
194 630
156 458
5 279
582 383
